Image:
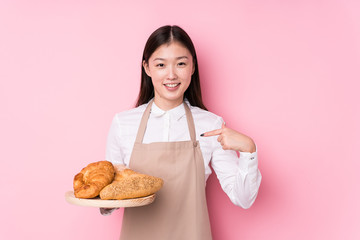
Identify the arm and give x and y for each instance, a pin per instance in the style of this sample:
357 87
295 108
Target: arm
239 176
114 154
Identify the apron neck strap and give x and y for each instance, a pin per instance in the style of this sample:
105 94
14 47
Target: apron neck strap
145 117
191 123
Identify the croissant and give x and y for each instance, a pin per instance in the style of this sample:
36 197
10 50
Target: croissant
93 178
130 184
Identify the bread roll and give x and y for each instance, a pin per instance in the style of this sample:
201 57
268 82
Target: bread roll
93 178
130 184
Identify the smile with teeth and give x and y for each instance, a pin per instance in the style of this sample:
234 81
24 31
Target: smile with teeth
172 85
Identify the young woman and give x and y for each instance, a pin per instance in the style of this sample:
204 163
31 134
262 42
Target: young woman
171 135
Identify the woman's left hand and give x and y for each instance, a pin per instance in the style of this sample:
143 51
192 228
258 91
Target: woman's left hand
232 140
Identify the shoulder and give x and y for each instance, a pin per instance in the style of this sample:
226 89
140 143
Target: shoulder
126 123
205 119
130 115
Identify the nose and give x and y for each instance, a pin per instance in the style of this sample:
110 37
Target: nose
172 73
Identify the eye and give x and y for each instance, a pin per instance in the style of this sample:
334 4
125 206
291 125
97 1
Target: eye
182 64
160 65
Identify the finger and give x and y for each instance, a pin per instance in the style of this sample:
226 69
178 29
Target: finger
212 133
223 125
219 139
106 211
225 147
119 167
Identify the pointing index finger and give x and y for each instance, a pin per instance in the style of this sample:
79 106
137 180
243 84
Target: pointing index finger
212 133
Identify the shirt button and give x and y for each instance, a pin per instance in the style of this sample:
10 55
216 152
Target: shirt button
252 158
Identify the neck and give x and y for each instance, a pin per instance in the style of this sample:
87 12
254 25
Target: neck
166 104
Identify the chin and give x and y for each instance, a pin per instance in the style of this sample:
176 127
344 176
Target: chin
172 98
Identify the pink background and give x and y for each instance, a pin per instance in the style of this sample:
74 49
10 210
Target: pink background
284 72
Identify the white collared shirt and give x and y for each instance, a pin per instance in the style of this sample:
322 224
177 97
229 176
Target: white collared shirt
239 176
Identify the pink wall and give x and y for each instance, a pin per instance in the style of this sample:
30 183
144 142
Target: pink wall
284 72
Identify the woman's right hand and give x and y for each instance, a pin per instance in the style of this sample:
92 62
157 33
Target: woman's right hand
119 167
107 211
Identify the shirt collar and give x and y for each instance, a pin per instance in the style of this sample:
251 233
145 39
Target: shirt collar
176 113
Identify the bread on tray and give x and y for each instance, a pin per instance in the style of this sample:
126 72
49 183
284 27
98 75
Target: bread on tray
93 178
113 183
130 184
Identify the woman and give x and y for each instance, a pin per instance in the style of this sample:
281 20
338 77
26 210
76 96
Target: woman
171 135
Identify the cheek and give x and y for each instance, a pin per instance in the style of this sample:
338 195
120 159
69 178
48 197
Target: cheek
157 76
187 77
188 83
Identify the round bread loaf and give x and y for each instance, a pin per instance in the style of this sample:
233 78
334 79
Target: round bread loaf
93 178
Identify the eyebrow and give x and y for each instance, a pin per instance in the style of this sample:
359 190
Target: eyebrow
163 59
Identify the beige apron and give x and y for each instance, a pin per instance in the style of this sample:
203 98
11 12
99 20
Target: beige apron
179 211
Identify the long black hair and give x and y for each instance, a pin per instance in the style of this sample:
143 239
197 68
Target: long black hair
166 35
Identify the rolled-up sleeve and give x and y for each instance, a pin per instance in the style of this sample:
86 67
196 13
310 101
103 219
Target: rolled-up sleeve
239 177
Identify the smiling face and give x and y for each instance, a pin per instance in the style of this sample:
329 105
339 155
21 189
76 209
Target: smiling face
170 68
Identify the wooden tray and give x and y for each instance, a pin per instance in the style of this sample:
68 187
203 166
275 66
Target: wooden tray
97 202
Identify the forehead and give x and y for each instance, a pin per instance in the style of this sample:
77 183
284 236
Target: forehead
172 50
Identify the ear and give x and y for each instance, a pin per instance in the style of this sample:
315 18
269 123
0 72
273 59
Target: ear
146 67
193 70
